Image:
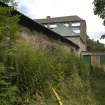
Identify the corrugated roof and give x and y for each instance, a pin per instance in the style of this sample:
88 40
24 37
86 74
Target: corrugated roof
59 19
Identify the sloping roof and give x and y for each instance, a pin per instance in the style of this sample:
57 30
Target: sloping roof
33 25
60 19
64 31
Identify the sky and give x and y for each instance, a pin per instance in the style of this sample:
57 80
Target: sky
36 9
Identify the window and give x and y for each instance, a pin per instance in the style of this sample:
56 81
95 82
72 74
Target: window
76 24
77 31
53 26
66 24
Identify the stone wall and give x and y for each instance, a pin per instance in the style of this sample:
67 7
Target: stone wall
40 39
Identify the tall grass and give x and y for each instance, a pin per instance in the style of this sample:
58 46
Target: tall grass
37 69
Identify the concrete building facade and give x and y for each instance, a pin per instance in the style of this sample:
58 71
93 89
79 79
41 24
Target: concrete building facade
72 28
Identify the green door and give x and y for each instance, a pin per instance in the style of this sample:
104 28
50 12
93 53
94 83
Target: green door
87 59
102 59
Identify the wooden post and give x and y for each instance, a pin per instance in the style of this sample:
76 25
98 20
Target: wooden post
57 96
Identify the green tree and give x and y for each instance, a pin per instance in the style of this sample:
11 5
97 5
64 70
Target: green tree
8 33
99 8
103 36
94 46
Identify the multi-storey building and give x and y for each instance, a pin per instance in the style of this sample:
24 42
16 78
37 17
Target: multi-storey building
72 28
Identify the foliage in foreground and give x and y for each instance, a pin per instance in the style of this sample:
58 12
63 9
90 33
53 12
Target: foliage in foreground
95 46
8 34
99 8
39 69
34 71
27 74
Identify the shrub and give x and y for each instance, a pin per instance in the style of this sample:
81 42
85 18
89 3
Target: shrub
8 92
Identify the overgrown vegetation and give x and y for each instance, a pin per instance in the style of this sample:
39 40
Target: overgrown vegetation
37 70
99 9
8 33
28 74
95 46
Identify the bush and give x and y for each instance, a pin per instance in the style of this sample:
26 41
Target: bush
38 70
8 92
32 72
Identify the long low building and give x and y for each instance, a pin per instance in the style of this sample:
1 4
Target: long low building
38 33
93 58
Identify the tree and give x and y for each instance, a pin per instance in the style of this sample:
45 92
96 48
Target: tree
94 46
103 36
99 8
8 33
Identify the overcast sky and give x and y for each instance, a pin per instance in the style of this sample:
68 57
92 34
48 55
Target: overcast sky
83 8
